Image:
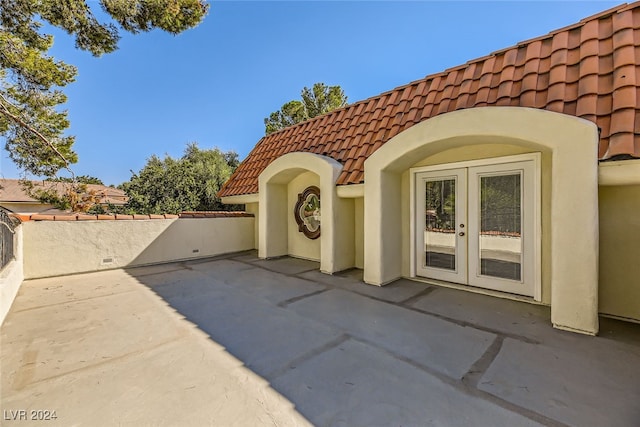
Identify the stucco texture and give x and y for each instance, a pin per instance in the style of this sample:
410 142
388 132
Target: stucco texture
571 144
66 247
11 276
619 291
279 182
369 226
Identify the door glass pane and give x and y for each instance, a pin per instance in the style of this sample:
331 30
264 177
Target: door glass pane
500 226
440 221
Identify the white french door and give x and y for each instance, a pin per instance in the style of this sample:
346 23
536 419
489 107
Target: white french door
441 225
478 225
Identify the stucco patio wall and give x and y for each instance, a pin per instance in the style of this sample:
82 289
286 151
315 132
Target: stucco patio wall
11 276
619 291
57 248
253 209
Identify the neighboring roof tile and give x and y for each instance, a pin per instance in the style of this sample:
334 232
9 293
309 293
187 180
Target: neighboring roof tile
588 69
11 190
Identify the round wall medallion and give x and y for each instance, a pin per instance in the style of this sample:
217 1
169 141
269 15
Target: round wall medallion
307 212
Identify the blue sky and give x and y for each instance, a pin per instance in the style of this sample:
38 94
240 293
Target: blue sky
215 84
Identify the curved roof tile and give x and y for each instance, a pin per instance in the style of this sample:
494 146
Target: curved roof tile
589 69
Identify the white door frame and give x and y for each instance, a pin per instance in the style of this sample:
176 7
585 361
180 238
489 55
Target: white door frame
533 257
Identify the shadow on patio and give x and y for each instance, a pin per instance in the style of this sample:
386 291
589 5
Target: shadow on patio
103 350
346 353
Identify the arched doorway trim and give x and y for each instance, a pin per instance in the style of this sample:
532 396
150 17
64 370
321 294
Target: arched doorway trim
572 143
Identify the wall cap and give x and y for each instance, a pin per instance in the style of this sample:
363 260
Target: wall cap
619 172
135 217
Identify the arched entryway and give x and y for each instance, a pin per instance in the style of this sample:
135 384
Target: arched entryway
278 233
568 146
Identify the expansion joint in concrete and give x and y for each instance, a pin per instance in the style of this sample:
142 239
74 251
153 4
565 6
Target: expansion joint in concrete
466 324
289 301
470 380
307 356
75 301
426 291
478 369
153 273
273 270
111 360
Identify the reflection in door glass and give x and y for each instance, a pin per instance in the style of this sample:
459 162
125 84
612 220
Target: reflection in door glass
500 226
440 221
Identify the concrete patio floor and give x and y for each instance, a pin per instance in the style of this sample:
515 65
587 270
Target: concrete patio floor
241 341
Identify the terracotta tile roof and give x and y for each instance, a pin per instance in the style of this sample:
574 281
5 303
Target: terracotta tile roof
116 217
12 191
589 69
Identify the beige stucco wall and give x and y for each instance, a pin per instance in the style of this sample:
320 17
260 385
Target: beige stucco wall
359 232
572 144
619 172
336 238
578 280
488 151
582 289
56 248
299 245
620 251
253 208
346 237
11 276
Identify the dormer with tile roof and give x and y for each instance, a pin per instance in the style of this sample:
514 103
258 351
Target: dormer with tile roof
516 174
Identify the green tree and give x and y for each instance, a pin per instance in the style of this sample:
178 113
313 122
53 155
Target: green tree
175 185
320 99
500 203
82 179
30 80
65 195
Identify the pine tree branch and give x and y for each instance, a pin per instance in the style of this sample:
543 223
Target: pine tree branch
31 129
